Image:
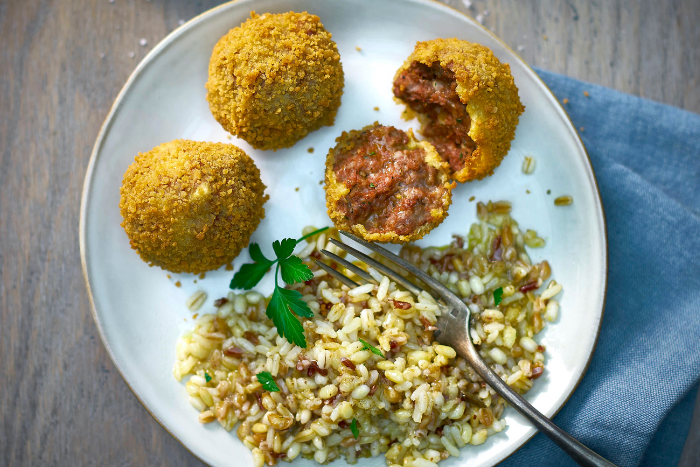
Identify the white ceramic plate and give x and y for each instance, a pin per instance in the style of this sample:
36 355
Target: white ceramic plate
139 311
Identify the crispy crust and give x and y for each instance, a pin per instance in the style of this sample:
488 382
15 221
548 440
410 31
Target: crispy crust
336 190
487 88
191 206
274 79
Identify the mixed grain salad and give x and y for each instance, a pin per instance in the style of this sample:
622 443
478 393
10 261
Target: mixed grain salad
368 378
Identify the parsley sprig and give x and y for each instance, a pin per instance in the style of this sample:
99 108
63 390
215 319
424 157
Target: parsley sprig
367 346
285 304
268 382
353 428
497 295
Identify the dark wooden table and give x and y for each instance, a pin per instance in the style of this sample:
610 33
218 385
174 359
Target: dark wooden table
62 63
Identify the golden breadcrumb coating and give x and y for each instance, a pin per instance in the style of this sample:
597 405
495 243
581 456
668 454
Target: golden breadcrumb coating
274 79
190 206
337 192
487 88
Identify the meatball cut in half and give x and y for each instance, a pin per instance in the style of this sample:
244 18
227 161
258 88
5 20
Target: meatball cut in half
385 186
274 79
190 206
466 101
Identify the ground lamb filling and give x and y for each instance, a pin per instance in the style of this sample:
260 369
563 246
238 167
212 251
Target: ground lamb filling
432 92
392 188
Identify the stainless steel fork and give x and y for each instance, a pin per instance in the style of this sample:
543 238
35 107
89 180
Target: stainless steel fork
453 328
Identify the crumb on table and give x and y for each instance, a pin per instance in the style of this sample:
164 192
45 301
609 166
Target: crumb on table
472 199
178 284
310 150
585 93
376 109
565 101
544 36
296 189
358 49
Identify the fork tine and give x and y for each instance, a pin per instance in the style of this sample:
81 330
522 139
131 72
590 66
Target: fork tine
440 289
356 270
413 288
341 277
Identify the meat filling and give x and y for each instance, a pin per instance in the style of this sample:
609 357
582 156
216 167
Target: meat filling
392 188
432 92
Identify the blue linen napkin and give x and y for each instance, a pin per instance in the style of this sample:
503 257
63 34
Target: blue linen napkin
634 404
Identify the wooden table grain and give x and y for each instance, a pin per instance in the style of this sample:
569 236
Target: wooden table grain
62 63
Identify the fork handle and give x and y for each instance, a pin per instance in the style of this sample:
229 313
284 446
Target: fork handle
577 451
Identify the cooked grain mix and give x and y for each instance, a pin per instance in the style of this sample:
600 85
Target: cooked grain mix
421 403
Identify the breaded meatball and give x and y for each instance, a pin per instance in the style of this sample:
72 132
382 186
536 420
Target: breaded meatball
466 101
274 79
385 186
191 206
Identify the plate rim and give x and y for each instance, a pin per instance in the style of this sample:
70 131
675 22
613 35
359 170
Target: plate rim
165 42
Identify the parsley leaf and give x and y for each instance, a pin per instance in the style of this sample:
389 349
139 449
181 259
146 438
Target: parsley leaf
249 275
207 377
293 270
257 255
354 429
281 309
371 348
296 304
267 381
497 295
285 248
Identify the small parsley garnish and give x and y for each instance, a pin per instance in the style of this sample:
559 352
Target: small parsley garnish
207 377
354 429
371 348
459 120
372 185
372 153
267 381
497 295
284 303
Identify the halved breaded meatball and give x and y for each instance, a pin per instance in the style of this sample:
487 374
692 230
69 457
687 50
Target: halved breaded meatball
274 79
191 206
385 186
466 101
